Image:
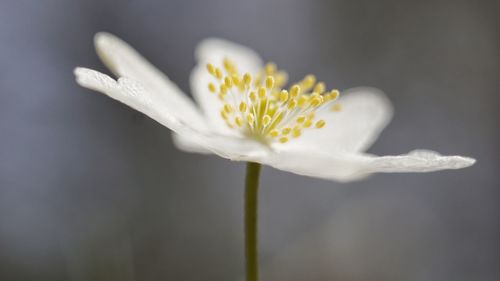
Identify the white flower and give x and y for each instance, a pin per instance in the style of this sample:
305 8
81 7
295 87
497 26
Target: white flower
243 114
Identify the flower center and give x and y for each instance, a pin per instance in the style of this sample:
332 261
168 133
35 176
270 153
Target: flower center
260 107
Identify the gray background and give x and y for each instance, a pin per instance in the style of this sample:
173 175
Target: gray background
91 190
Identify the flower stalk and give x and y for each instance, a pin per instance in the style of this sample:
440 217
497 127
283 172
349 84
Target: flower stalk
251 221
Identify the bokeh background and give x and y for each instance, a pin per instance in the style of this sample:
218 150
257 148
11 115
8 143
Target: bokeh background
91 190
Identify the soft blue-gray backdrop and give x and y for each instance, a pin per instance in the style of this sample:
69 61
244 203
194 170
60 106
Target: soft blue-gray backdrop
92 190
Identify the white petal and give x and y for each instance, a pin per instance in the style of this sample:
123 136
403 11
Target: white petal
343 166
131 93
365 112
214 51
419 161
190 138
229 147
124 61
187 144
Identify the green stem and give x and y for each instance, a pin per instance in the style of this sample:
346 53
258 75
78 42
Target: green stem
251 208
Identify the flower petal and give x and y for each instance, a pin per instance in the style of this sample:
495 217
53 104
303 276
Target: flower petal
187 144
131 93
189 137
347 166
214 51
124 61
364 114
229 147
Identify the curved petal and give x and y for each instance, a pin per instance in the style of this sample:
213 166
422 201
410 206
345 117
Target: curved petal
229 147
365 113
124 61
214 51
133 94
419 161
186 144
347 166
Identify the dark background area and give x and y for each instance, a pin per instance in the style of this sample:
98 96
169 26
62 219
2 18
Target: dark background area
92 190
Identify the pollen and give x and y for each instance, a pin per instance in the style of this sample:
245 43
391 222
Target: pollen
260 107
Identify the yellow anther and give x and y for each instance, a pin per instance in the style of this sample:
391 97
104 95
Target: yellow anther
224 115
229 65
250 118
311 115
269 82
337 107
274 133
262 92
223 89
243 106
283 139
302 100
281 78
247 79
296 133
236 79
239 121
218 73
266 119
320 124
314 95
211 87
292 104
320 88
228 108
283 96
309 81
270 68
301 119
222 97
258 81
211 68
317 101
334 94
253 96
286 130
228 82
308 123
295 91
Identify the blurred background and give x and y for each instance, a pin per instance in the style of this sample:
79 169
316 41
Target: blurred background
92 190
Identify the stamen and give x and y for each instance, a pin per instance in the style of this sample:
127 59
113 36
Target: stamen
228 82
239 121
262 92
211 87
259 107
218 73
247 79
211 68
283 96
320 124
243 106
269 82
228 108
266 120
